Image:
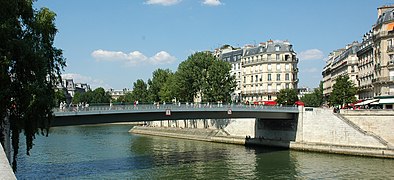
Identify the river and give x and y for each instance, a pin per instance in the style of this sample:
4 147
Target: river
110 152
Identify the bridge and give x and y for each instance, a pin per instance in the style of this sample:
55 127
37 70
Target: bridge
106 113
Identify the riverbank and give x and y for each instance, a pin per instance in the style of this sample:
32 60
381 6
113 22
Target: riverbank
210 135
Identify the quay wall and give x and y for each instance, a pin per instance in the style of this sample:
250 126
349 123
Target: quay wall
5 168
314 129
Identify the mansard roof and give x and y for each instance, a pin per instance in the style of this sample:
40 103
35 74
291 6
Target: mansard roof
270 48
386 17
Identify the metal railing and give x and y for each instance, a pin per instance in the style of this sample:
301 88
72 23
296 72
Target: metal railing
173 106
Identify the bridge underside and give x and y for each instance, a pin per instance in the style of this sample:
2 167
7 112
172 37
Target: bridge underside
73 120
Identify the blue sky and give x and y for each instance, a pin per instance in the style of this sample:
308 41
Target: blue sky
113 43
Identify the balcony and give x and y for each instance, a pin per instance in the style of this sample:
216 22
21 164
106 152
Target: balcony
383 79
265 91
390 48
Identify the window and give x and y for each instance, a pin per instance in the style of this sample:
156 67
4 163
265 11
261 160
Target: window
277 48
287 66
287 85
269 77
277 57
390 43
269 97
269 88
244 79
269 67
278 77
269 57
287 77
257 78
251 78
278 67
278 87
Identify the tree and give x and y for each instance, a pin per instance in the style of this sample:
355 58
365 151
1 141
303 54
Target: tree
30 70
205 75
159 78
220 83
96 96
169 89
343 91
314 99
60 96
287 97
140 91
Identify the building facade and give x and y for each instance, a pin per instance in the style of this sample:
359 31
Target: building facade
383 47
366 67
262 71
341 62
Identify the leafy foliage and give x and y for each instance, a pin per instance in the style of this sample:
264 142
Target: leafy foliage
159 78
140 91
203 74
315 99
287 97
30 69
96 96
343 91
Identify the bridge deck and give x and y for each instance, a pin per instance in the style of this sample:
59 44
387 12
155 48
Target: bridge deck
131 113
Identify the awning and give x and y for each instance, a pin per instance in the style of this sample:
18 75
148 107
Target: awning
366 102
386 101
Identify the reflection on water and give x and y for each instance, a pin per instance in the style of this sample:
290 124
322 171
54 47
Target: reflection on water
109 151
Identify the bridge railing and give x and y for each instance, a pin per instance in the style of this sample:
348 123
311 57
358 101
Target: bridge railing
172 106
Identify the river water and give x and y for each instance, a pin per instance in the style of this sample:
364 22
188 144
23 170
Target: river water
110 152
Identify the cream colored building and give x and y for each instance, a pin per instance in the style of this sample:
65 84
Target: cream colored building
262 71
341 62
366 67
383 47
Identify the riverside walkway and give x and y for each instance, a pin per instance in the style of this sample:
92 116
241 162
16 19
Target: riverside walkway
107 113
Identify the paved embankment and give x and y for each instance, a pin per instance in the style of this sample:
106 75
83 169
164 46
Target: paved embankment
5 168
211 135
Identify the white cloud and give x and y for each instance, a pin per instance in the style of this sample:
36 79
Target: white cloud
212 2
93 83
162 57
312 70
311 54
133 58
162 2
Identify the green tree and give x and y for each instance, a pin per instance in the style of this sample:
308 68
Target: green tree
287 97
100 96
159 78
203 74
169 89
30 70
220 83
140 91
60 96
343 91
314 99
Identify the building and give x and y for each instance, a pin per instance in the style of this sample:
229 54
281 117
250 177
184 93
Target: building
73 88
383 48
341 62
304 90
262 71
115 94
366 67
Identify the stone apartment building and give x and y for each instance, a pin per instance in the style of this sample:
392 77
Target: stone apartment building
383 49
369 64
262 71
341 62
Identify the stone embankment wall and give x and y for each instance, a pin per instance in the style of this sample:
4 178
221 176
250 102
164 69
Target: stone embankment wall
377 122
322 130
315 129
5 168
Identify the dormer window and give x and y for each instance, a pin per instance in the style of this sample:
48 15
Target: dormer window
277 48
